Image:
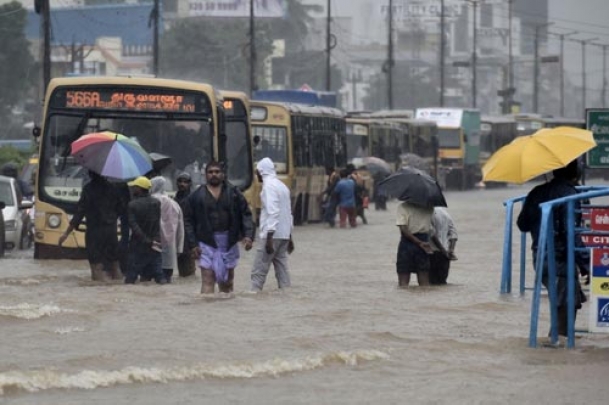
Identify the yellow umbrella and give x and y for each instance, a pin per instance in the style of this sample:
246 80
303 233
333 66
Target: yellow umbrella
527 157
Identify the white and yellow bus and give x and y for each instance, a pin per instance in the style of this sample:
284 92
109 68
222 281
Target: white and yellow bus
303 142
180 119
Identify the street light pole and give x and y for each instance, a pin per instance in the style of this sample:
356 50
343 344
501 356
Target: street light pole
474 54
390 56
442 51
253 57
46 53
562 71
583 43
538 27
155 39
510 51
604 76
329 46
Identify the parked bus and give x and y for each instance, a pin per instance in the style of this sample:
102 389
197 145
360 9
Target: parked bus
418 136
318 98
553 122
495 132
376 137
303 141
459 144
239 158
179 119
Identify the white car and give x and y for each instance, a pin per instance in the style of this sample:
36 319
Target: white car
16 220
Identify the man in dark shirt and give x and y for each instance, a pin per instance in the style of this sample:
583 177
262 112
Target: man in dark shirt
145 244
101 204
216 218
186 263
529 220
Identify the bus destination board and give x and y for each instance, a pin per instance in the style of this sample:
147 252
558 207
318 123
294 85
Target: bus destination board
132 99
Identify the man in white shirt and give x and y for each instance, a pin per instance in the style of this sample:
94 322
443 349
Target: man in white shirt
443 238
275 228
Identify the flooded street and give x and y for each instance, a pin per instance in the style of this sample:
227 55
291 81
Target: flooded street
343 334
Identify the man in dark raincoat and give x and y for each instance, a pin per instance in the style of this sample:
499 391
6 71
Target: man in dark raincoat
102 205
529 220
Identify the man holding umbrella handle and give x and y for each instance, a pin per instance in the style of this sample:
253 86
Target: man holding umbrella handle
414 250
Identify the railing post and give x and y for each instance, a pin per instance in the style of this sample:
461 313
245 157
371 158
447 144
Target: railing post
523 259
570 274
551 284
506 284
539 264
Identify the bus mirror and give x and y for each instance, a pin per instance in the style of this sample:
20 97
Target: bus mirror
256 140
464 138
36 131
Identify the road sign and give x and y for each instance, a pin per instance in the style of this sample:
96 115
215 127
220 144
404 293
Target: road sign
597 121
599 291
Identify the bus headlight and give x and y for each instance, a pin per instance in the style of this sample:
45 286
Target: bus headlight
54 221
10 225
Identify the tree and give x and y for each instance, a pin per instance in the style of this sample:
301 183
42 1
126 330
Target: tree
16 62
212 50
411 88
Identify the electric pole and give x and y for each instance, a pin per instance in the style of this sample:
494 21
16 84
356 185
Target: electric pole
155 40
562 71
474 46
329 47
442 51
604 92
583 43
253 86
538 27
389 66
46 52
510 57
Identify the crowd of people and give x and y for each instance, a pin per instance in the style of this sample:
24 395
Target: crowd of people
197 227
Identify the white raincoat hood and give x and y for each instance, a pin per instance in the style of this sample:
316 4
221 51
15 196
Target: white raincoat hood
266 167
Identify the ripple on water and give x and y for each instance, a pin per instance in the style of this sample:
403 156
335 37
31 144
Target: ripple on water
13 382
31 311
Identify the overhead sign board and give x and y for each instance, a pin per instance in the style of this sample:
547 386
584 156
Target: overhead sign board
444 117
236 8
597 121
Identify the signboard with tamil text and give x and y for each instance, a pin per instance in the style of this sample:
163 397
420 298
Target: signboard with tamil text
597 121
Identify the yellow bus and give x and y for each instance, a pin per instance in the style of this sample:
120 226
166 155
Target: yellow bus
179 119
495 132
240 166
530 123
367 136
303 142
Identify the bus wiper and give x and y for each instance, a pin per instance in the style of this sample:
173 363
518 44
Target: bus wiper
77 133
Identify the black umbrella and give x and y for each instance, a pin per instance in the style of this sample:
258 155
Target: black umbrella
159 161
415 187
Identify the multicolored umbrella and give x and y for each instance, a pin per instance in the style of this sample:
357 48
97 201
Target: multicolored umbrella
111 155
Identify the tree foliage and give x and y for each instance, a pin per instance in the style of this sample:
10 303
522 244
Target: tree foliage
213 50
16 62
216 51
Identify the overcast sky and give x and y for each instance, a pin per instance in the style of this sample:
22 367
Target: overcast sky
590 18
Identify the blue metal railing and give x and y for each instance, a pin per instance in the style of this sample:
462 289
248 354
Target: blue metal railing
546 245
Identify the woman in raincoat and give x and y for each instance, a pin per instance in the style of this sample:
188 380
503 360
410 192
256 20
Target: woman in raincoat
172 227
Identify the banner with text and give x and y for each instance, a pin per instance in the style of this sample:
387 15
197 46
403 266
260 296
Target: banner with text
237 8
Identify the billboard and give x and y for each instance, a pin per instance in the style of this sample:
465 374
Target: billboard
236 8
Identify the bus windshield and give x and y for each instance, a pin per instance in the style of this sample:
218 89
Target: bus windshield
449 138
272 143
357 146
187 142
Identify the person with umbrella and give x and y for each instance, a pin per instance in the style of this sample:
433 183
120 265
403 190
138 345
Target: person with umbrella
562 185
419 193
101 204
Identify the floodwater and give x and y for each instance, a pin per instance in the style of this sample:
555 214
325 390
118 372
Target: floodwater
343 334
